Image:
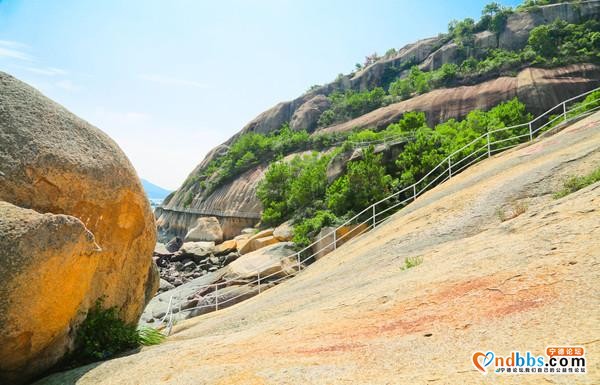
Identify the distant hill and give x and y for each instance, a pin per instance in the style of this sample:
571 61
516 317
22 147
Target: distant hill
153 191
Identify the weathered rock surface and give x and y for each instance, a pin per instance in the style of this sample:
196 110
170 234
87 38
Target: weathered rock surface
207 229
284 232
53 162
307 116
353 316
35 247
326 243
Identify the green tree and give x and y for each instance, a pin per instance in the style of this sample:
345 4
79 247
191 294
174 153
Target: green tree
364 183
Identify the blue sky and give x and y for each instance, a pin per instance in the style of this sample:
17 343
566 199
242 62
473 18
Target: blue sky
169 80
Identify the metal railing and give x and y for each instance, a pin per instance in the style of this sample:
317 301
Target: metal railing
218 213
492 142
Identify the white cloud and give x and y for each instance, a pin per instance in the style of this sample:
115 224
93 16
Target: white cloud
14 50
46 71
169 81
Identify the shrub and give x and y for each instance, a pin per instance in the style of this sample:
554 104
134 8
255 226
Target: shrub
576 183
307 229
410 262
103 334
351 104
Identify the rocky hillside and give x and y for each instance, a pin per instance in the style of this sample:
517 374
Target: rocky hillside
75 226
489 260
478 69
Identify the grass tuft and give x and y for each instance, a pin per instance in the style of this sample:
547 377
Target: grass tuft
411 262
576 183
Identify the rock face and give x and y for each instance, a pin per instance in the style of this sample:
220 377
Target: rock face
307 116
538 88
34 248
352 316
207 229
53 162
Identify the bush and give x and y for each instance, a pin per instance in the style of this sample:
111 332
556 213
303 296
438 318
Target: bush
351 104
307 229
103 334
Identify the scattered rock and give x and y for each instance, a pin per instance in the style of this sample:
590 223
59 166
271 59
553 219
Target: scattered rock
198 248
268 261
206 229
256 241
226 247
160 250
174 244
284 232
164 286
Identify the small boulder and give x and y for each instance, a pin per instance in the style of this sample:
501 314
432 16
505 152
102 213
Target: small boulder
165 285
226 247
161 250
257 241
206 229
275 260
174 244
197 248
284 232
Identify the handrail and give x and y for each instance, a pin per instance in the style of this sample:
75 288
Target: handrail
372 221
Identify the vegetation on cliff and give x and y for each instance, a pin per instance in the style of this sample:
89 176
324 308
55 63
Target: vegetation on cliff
549 45
298 190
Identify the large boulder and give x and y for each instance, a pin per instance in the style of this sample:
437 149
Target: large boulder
275 261
36 304
53 162
207 229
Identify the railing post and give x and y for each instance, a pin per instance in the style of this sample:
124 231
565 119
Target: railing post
450 167
414 192
334 240
259 282
564 110
373 216
488 145
530 132
299 263
216 297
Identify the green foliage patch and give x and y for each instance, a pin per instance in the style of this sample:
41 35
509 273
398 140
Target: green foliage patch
103 334
576 183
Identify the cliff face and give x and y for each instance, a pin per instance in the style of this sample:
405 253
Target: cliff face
479 277
540 89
